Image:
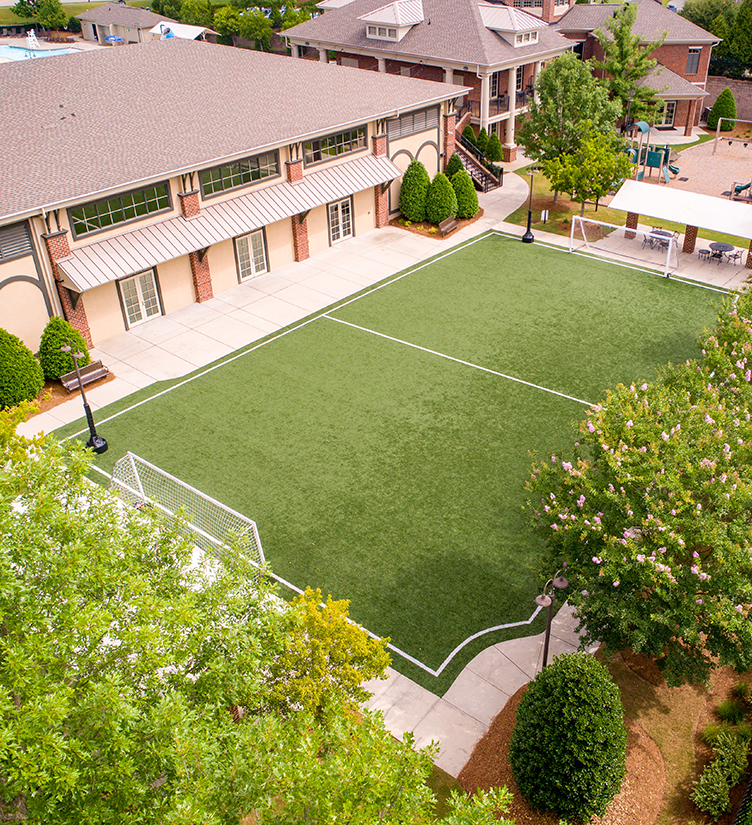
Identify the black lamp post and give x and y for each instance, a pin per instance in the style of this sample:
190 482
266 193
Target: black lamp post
95 442
546 599
528 237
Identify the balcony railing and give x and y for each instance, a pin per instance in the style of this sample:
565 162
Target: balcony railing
497 105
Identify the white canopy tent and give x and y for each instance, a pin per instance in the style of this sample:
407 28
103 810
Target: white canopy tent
180 30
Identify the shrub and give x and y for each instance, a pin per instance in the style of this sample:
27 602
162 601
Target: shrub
482 140
493 150
732 711
467 197
725 106
415 185
568 748
712 731
21 376
55 363
711 791
454 164
742 691
441 202
74 25
469 134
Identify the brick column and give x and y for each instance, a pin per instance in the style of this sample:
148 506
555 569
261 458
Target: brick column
381 207
189 204
632 221
202 282
450 136
294 171
58 249
300 237
690 238
690 118
748 265
379 145
548 11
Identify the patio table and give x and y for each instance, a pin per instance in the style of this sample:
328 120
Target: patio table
719 248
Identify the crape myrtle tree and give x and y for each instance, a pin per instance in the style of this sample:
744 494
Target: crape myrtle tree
140 684
652 511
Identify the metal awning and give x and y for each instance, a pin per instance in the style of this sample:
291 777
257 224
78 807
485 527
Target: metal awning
688 208
104 261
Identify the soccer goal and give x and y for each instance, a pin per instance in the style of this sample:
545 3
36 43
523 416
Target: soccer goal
210 524
656 248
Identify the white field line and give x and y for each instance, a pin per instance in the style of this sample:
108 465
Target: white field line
460 361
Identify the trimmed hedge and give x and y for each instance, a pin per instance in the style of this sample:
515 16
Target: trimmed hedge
21 377
441 202
482 140
725 106
55 363
467 197
413 192
494 151
469 134
711 790
568 748
454 164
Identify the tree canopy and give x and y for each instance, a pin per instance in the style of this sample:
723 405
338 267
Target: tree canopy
652 512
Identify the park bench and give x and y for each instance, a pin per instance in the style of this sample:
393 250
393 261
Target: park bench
91 372
446 226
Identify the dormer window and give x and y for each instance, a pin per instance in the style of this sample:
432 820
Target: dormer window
382 33
393 21
526 37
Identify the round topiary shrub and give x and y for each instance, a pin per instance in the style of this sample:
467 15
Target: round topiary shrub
454 164
413 192
469 134
725 106
21 376
493 150
568 748
55 363
467 197
441 202
482 140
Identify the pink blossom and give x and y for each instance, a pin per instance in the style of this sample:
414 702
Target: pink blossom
695 554
643 387
708 419
703 575
597 560
699 601
566 466
629 423
738 608
664 435
580 501
695 570
616 584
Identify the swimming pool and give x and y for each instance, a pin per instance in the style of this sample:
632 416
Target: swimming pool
22 53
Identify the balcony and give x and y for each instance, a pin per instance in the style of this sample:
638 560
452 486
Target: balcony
497 105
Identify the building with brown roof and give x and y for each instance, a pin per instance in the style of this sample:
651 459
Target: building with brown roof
225 164
117 19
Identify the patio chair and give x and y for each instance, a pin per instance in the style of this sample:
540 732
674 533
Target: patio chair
716 256
734 257
648 241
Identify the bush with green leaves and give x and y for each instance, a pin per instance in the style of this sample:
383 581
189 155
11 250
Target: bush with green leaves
21 376
469 134
482 140
441 202
568 748
454 164
724 106
57 333
413 192
74 25
494 151
711 790
731 711
467 197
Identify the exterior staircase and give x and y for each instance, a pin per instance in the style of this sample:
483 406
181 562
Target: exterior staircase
485 175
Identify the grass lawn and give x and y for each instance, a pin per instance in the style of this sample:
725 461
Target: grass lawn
7 18
389 475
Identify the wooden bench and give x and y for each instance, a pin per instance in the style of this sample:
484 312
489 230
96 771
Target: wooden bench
91 372
446 226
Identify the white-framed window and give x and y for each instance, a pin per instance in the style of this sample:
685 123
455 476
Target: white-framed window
668 114
250 251
381 33
340 220
519 77
140 297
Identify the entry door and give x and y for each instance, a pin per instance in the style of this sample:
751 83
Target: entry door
669 112
140 298
340 220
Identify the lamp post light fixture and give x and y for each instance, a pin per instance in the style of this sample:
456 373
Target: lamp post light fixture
546 599
95 442
528 237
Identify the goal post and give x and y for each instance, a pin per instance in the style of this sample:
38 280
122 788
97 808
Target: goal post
210 525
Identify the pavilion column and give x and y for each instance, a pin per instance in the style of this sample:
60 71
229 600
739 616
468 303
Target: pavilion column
448 75
690 238
323 55
485 98
510 147
382 64
748 265
632 221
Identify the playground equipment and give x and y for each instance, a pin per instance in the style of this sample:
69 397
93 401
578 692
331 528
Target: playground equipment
648 155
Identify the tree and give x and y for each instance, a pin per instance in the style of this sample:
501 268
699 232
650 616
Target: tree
741 45
25 9
58 333
21 376
626 61
413 191
293 15
482 140
593 170
51 14
467 197
704 12
254 25
724 107
227 22
441 202
197 13
651 513
493 150
454 164
469 134
568 747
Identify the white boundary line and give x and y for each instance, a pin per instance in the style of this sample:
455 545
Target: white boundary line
459 361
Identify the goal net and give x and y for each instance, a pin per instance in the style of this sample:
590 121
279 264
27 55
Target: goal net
654 249
210 525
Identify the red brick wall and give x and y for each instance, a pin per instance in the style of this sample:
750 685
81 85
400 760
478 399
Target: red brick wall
189 204
294 171
449 136
364 61
379 145
300 237
57 249
381 207
202 282
675 57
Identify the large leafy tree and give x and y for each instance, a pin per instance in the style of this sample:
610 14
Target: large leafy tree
626 62
741 44
254 25
652 513
703 13
51 14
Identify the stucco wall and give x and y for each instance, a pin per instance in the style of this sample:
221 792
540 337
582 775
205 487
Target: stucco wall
176 284
103 312
28 324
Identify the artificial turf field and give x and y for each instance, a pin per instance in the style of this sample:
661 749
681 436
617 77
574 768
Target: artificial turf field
382 446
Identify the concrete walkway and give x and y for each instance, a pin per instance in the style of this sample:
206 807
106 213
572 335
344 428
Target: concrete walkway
168 347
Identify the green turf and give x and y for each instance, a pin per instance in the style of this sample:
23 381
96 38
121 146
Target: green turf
395 478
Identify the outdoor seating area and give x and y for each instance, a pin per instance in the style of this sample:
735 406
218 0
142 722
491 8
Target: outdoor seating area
660 242
721 253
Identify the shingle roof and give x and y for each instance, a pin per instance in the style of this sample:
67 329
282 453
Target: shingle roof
109 118
670 85
652 20
452 30
121 15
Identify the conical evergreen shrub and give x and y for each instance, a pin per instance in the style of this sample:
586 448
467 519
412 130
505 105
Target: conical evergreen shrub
454 164
21 376
494 151
467 197
482 140
57 333
441 202
413 192
469 134
724 106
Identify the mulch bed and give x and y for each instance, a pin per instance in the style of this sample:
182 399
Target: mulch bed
425 228
54 393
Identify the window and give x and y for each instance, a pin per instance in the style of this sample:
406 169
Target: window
241 173
494 85
381 32
412 123
250 251
693 61
340 220
326 148
131 206
519 76
140 297
668 114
